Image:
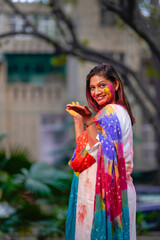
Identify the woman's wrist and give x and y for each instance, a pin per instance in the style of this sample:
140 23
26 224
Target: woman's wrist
78 118
88 120
89 124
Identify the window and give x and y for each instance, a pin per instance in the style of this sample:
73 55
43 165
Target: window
17 23
53 137
45 23
39 68
26 68
13 68
35 68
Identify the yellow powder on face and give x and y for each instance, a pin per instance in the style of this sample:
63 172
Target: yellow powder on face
107 91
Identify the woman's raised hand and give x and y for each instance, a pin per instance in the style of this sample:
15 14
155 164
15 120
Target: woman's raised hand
72 112
75 108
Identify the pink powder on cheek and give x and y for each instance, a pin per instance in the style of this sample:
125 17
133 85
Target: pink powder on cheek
110 88
91 94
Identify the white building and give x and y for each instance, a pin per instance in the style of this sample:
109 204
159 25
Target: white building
33 82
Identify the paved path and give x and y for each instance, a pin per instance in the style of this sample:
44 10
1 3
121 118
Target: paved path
148 238
154 237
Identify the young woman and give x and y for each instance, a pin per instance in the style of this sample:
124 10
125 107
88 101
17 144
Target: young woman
102 202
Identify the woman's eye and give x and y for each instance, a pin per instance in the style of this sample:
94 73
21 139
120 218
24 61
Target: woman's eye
103 85
91 88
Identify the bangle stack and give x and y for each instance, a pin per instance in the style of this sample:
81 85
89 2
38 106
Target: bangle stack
88 124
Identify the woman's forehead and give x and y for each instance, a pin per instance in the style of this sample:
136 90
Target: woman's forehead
97 79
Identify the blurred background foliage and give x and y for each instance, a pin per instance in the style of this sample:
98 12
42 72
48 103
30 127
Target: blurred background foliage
34 196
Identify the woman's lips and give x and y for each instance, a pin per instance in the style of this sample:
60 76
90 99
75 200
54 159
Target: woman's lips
99 98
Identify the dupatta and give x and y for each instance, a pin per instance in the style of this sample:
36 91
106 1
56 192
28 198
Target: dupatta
111 213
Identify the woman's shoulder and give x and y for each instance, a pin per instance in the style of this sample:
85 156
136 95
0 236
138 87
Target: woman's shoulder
123 116
114 111
109 109
117 109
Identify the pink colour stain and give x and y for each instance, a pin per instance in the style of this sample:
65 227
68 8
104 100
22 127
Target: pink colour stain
81 213
88 185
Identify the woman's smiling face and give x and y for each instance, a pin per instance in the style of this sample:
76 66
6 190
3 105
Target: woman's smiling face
102 90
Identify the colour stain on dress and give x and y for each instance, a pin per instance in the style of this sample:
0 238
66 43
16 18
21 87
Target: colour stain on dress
88 185
81 213
88 181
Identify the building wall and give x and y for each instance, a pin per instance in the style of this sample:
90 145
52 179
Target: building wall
23 106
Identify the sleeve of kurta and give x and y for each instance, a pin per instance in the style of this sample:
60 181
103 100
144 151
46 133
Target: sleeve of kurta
94 150
82 158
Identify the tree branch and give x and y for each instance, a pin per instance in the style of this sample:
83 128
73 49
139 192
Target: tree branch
151 118
17 11
131 8
132 17
58 47
89 54
61 16
112 7
78 50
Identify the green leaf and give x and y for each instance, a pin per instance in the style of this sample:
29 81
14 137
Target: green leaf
17 158
18 179
85 42
25 172
58 61
38 167
37 187
56 184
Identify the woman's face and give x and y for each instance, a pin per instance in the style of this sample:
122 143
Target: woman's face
102 90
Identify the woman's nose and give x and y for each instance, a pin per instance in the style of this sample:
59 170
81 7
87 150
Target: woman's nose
97 91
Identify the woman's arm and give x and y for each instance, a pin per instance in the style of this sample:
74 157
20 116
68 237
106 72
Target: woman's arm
78 120
86 114
79 126
91 131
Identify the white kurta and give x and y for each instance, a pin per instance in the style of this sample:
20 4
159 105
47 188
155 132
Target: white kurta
87 181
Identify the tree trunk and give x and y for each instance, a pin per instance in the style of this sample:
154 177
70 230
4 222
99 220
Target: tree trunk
156 63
